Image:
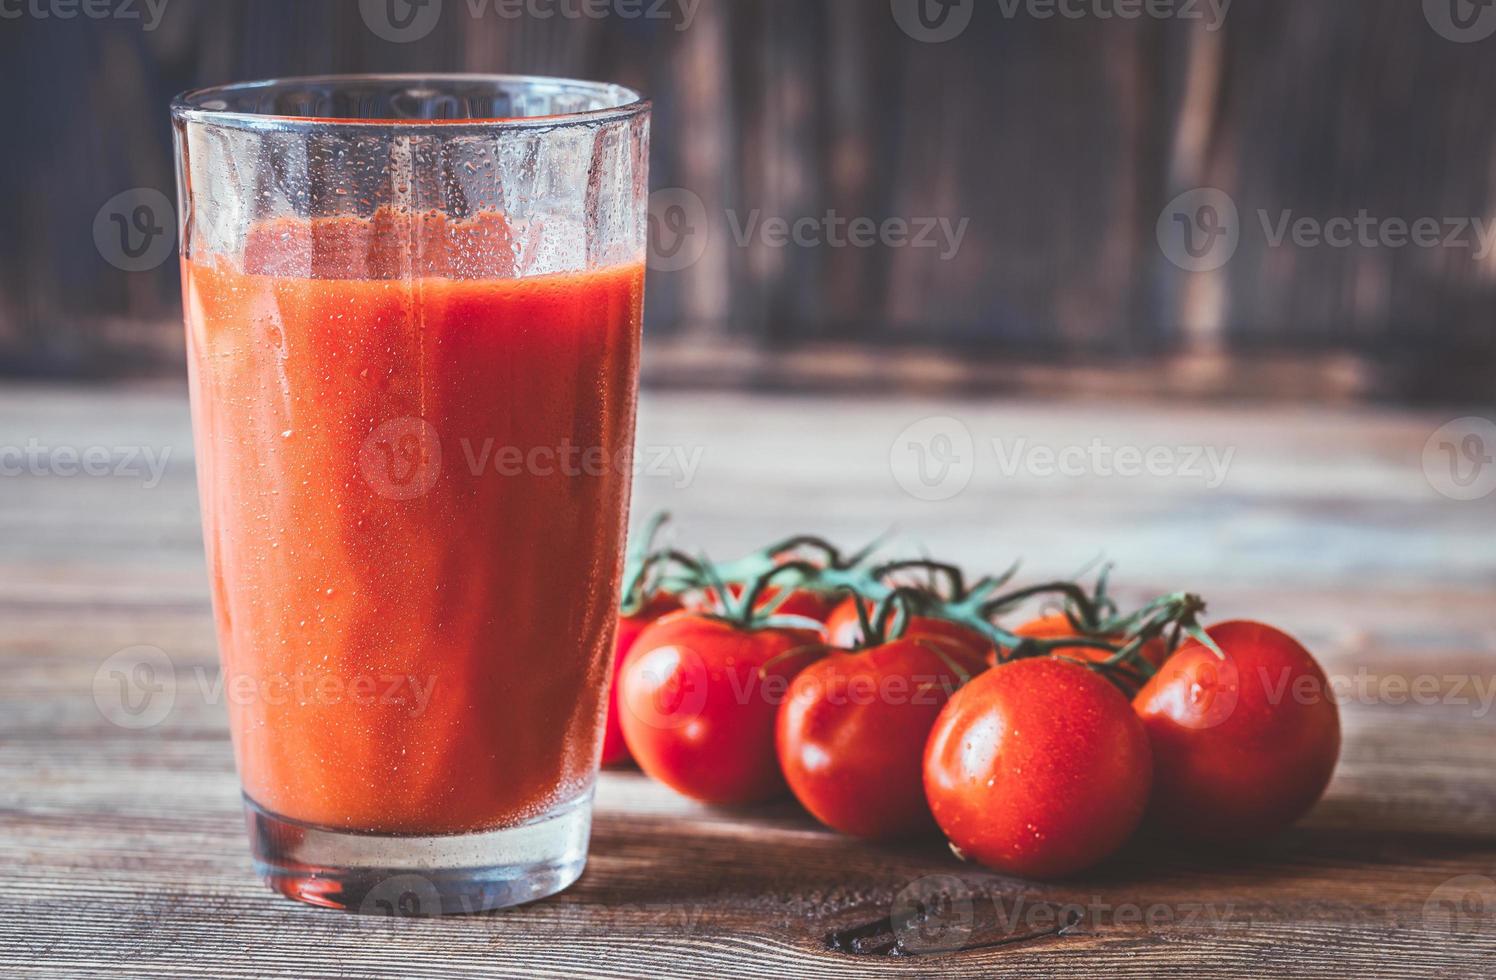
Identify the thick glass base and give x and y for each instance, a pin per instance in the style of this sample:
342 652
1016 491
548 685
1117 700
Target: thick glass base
415 876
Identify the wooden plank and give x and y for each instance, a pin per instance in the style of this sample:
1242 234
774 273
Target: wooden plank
123 854
149 873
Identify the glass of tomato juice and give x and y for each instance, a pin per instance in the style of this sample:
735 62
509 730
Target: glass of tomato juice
413 313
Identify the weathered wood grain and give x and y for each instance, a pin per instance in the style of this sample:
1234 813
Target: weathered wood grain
123 854
1059 139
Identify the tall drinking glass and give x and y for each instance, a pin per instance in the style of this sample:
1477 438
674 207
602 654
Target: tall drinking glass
413 309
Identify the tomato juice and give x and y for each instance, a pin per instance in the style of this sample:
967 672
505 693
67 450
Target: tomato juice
414 467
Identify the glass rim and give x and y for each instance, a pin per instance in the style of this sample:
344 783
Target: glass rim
189 106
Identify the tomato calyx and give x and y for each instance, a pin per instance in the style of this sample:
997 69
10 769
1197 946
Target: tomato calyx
646 569
942 594
946 597
748 610
831 557
754 607
890 619
890 596
938 574
1121 639
822 569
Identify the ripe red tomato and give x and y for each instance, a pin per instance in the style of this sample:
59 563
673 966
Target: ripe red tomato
1058 626
615 751
1244 746
698 697
1038 768
844 629
851 733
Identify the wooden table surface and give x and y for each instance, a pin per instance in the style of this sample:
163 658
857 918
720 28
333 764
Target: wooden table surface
122 850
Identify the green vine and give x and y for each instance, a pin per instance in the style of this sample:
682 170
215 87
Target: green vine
886 601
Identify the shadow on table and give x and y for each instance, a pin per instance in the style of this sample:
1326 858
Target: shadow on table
774 869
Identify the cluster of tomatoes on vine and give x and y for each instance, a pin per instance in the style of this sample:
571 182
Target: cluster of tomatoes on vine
894 699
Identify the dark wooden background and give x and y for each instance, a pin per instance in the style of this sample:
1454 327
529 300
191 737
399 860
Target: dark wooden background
1061 140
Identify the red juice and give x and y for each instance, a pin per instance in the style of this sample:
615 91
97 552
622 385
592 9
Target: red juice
414 471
